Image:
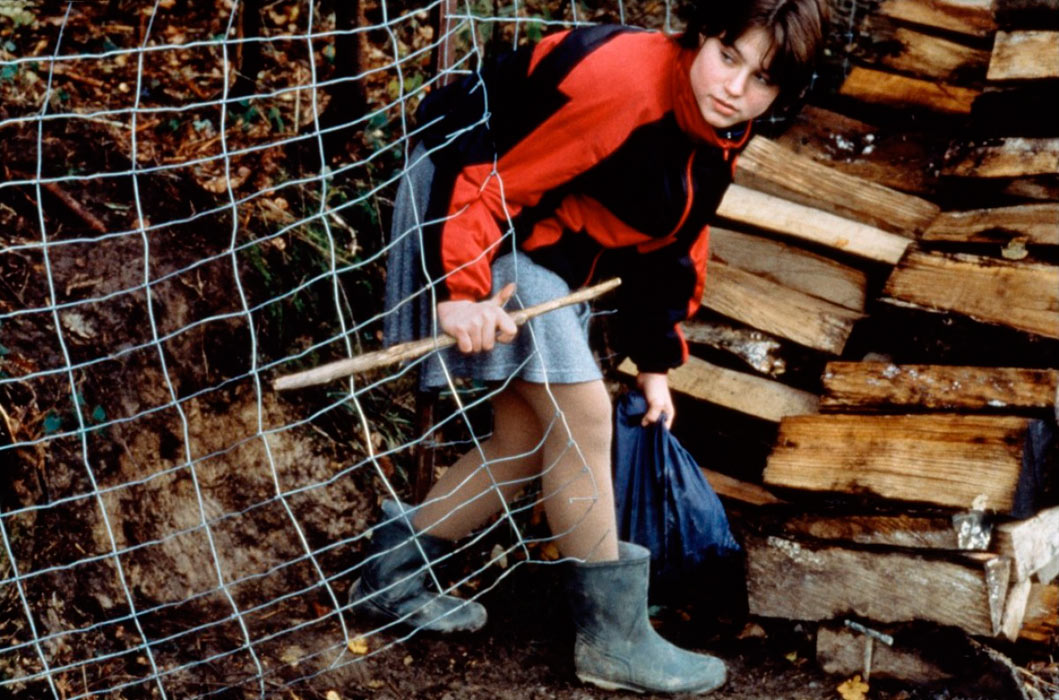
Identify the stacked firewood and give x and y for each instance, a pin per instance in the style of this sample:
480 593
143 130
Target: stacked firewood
901 488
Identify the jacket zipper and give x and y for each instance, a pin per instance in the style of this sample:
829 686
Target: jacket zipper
691 196
662 242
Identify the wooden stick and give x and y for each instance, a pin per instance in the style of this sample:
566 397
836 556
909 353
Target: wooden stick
416 348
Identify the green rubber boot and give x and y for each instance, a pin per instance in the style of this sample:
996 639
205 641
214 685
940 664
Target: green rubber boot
616 646
392 585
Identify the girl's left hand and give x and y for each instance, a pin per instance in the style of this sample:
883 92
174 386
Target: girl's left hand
655 388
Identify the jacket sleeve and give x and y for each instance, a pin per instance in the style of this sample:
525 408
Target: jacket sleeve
659 290
553 118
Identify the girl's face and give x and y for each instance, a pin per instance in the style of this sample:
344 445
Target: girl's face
730 81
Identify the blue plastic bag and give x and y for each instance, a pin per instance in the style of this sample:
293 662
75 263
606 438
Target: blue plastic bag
662 499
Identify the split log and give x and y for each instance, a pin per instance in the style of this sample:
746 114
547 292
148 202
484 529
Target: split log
736 489
792 267
781 216
971 17
802 581
1047 573
900 160
901 91
778 310
1041 187
1015 609
754 396
872 386
946 460
770 167
1024 55
1041 622
840 651
921 55
1024 296
1037 223
903 530
758 350
1008 158
1032 544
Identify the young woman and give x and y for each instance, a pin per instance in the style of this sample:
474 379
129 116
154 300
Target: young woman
601 151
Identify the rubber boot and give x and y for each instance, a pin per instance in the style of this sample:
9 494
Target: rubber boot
616 646
392 585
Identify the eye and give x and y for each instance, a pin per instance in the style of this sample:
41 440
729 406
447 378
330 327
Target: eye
764 79
727 56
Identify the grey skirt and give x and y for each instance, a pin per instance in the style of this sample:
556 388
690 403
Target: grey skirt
553 347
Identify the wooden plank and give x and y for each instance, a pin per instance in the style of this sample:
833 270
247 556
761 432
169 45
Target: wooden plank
922 55
971 17
789 218
884 385
754 396
778 310
1041 187
1024 55
773 168
947 460
1041 622
802 581
894 158
736 489
1047 573
903 530
1024 296
902 91
790 266
758 350
1003 158
1037 223
1015 609
840 651
1031 544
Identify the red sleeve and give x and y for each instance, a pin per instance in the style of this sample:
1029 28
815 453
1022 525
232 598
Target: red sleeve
595 116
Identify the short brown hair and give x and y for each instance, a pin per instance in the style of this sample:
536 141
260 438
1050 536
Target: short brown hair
795 26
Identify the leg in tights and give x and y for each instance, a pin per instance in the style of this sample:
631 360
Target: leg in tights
574 421
576 469
466 495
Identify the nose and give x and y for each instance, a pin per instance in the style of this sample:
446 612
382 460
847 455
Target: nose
736 83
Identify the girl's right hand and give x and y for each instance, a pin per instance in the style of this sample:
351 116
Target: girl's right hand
477 325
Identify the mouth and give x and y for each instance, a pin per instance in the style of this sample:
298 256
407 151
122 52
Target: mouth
723 107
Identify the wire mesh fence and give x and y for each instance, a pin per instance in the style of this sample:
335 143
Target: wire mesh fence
195 199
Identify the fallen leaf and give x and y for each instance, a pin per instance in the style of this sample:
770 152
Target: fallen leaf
853 689
753 631
549 552
499 556
332 695
358 645
792 657
408 660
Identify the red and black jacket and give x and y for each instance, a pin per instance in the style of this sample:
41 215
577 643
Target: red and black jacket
590 148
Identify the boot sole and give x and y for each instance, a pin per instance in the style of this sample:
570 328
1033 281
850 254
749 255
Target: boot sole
613 685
